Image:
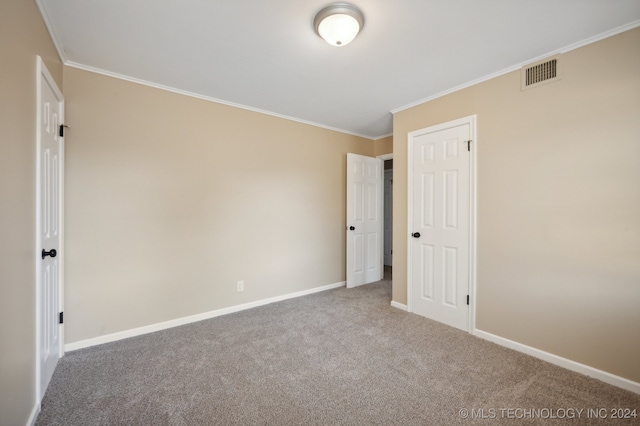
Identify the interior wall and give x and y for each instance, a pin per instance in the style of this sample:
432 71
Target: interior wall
558 205
23 36
170 200
383 146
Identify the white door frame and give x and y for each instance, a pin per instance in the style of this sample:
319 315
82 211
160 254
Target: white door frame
471 121
43 73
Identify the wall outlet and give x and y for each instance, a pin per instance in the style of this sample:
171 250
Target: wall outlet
240 286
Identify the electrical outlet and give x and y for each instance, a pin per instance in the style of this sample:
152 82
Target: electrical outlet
240 286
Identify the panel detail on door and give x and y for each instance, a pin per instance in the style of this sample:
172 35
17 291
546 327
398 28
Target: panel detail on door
55 200
451 199
358 254
428 152
427 271
47 335
427 200
450 279
46 196
372 250
358 201
372 194
451 151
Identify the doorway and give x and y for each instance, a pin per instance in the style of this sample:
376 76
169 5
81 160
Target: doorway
388 216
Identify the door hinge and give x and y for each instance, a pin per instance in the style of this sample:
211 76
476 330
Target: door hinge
61 318
467 299
468 145
62 126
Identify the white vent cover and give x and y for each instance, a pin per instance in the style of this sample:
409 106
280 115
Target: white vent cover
539 73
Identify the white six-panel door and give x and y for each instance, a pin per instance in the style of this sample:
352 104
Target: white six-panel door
440 220
364 220
49 224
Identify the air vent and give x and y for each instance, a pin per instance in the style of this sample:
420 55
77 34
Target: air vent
539 73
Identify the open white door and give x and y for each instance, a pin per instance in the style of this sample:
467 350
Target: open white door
50 172
364 220
440 222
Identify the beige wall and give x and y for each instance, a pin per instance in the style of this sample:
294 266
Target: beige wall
558 205
383 146
171 200
23 36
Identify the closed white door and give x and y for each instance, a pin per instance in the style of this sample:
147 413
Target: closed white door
388 217
364 220
49 216
439 247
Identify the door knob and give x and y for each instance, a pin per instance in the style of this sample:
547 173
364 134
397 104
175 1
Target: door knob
352 228
416 235
51 253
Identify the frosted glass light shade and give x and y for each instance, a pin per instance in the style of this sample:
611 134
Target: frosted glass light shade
339 30
339 23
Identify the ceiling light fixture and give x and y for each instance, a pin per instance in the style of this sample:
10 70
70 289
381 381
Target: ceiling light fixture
339 23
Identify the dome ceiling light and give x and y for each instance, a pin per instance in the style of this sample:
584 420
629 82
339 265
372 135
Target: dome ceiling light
339 23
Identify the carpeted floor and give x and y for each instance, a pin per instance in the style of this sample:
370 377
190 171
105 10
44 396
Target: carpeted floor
340 357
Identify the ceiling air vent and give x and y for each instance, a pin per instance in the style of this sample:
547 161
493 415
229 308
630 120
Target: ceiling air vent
542 72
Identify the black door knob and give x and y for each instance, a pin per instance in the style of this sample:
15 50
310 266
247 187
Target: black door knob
416 235
51 253
352 228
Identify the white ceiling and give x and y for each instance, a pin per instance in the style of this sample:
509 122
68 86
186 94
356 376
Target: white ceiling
264 55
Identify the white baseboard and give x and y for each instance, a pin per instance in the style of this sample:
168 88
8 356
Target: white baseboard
34 415
612 379
399 306
193 318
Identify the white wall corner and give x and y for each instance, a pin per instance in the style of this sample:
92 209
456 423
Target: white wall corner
399 306
34 415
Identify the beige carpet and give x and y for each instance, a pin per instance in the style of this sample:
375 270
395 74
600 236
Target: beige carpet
340 357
